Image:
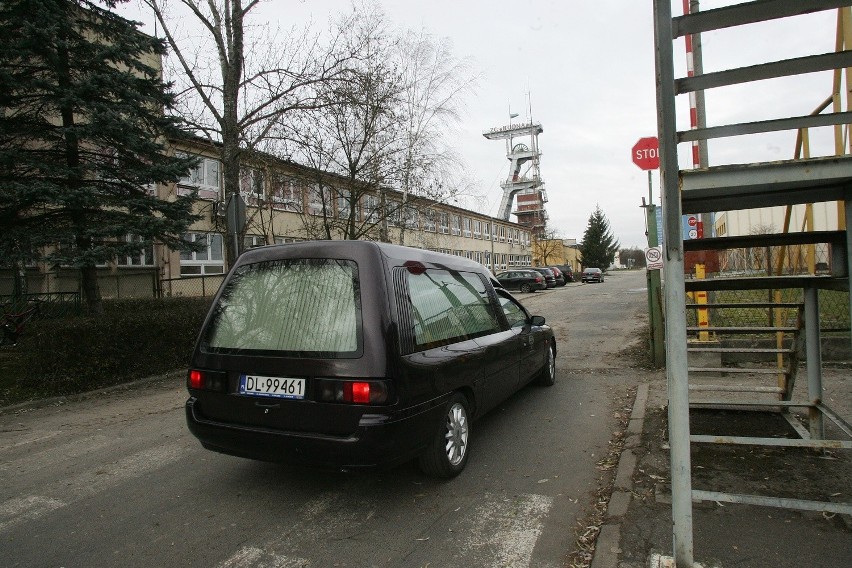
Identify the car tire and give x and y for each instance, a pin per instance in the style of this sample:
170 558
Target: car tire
547 377
447 455
525 288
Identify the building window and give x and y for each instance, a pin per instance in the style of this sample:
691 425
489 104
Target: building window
429 220
145 257
317 200
487 231
412 218
209 259
286 193
445 223
254 241
502 235
343 208
477 229
286 240
456 224
204 176
251 184
467 227
371 208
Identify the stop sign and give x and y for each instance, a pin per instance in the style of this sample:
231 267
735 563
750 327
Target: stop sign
646 153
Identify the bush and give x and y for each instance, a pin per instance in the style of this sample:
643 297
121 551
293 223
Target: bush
132 340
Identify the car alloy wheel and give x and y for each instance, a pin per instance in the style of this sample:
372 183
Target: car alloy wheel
548 373
457 433
447 455
525 287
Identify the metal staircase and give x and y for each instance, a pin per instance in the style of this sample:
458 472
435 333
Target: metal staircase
744 186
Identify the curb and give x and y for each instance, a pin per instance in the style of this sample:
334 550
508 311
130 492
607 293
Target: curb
64 399
608 546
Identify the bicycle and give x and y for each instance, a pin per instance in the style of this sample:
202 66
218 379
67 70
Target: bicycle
14 322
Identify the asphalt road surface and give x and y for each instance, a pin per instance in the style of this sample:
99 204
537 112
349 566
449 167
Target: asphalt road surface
115 479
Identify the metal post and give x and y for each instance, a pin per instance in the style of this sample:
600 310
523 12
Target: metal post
849 253
676 362
814 356
655 308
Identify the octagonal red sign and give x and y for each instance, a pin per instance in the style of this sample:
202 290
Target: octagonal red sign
646 153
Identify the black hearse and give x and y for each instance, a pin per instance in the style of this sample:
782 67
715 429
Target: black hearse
355 353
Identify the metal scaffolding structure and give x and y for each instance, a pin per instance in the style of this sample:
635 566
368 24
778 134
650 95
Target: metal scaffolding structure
524 180
753 185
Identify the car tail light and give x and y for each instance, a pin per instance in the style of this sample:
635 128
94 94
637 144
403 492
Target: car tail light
538 278
207 380
196 379
352 392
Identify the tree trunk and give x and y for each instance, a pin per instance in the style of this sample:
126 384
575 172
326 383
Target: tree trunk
91 290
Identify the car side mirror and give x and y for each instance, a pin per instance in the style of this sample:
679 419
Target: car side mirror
537 320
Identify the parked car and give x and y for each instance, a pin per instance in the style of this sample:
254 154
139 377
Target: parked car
549 277
567 272
557 274
523 280
592 275
356 353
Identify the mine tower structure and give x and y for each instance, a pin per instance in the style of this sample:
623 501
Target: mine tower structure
524 180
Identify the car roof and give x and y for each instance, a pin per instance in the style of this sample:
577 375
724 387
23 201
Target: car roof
395 255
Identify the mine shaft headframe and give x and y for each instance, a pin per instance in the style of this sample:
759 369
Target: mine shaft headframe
513 131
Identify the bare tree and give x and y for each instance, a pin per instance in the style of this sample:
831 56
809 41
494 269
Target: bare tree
239 79
548 248
385 128
435 82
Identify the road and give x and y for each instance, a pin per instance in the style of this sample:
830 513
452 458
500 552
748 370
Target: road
114 478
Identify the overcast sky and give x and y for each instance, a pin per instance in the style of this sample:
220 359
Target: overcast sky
586 69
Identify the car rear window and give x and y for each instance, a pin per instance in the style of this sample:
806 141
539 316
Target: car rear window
448 306
294 307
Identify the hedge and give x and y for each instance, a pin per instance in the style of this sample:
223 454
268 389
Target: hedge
134 339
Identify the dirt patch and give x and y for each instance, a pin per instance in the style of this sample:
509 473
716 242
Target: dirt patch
725 532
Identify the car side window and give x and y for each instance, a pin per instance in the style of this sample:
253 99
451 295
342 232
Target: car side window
513 311
448 306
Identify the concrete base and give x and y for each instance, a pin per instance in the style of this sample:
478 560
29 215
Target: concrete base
660 561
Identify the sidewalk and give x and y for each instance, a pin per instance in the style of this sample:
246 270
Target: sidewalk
638 529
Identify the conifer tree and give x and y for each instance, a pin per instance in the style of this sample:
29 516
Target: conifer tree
599 247
82 129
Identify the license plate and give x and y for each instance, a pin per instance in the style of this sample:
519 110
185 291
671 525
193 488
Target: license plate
277 387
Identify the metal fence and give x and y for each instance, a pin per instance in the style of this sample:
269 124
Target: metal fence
51 304
190 286
775 261
833 309
760 261
119 285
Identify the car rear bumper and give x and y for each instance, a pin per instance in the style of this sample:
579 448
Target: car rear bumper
381 439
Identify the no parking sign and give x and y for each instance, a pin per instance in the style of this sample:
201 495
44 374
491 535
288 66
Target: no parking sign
654 258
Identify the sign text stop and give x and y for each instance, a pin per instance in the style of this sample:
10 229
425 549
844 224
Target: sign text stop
646 153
